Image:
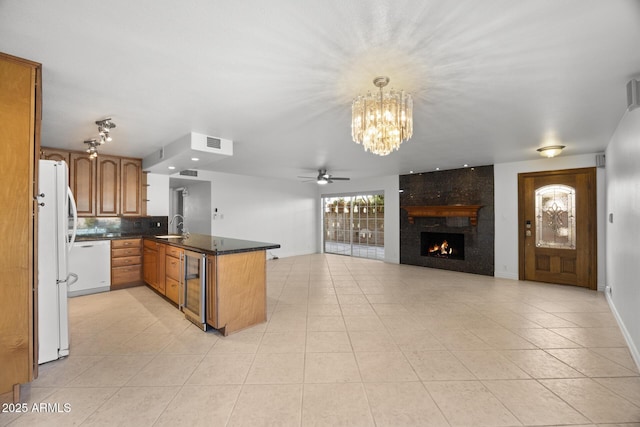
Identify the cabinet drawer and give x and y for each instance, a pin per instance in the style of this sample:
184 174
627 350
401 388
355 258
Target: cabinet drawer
126 274
116 253
125 243
172 268
173 251
123 261
172 289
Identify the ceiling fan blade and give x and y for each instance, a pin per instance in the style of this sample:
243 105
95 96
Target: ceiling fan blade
337 178
307 177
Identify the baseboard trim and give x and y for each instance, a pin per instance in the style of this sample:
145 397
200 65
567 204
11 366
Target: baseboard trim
512 276
635 353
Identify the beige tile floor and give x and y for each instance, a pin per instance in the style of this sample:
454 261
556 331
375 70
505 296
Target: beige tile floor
348 342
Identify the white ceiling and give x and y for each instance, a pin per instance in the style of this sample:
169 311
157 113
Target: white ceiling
490 79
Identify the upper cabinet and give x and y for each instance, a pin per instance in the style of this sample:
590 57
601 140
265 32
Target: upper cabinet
82 181
105 186
131 187
108 179
55 154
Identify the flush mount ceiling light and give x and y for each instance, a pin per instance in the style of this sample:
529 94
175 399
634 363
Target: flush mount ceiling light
550 150
382 121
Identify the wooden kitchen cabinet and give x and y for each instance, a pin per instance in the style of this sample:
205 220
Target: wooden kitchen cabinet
236 290
162 266
108 180
161 282
235 283
55 154
20 115
150 263
126 263
173 267
153 265
105 186
82 181
131 187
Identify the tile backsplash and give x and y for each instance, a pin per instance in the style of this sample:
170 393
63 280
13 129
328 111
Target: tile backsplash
142 225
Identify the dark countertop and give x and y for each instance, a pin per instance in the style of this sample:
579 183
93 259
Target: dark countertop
215 245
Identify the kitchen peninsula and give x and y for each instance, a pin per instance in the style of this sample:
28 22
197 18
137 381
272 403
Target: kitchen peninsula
217 281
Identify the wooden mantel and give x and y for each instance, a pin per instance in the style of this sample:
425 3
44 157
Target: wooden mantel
470 211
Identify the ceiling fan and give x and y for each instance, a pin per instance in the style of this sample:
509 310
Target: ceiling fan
324 178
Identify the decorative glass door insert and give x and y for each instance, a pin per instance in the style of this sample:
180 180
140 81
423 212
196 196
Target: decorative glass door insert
555 217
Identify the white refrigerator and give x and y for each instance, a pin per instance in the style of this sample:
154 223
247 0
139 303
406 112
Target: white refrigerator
56 210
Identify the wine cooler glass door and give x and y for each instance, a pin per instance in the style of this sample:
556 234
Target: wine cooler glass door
193 288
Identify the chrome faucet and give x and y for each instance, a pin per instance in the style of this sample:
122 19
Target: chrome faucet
180 225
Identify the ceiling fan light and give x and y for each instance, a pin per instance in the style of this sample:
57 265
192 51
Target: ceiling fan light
323 181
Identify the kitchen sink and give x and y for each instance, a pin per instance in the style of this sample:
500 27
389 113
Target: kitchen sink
170 236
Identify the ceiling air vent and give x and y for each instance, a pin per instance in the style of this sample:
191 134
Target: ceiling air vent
214 142
189 172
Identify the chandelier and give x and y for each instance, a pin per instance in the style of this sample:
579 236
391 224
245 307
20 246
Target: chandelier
381 122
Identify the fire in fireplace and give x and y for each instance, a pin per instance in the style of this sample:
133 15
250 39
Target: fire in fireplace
442 245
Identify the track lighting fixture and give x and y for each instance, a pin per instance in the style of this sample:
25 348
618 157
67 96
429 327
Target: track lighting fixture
92 150
104 128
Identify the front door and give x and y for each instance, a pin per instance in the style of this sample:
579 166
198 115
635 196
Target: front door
557 212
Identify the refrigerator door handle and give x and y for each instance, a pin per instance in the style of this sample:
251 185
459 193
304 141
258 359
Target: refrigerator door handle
73 276
75 219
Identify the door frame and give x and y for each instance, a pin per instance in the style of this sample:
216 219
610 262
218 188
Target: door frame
352 196
592 224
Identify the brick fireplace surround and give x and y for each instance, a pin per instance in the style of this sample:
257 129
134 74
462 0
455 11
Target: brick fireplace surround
456 188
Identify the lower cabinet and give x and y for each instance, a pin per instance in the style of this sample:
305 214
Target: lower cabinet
126 263
149 264
173 264
236 293
235 284
162 266
153 265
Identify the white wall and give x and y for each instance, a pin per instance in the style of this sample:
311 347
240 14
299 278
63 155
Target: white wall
196 207
157 194
265 210
623 234
506 209
390 186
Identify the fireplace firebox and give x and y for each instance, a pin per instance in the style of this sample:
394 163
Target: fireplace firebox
442 245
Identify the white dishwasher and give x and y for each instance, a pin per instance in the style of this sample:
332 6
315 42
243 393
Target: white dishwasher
91 261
